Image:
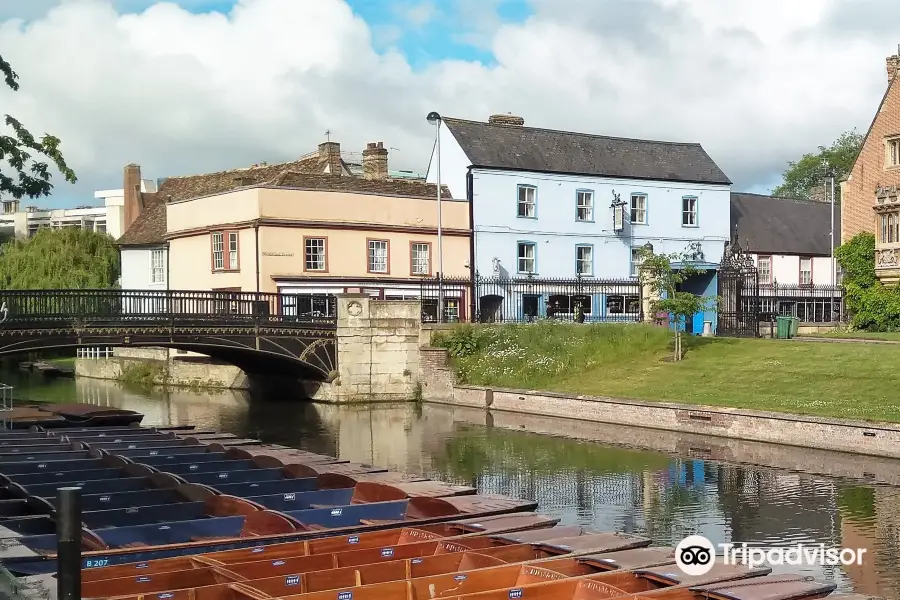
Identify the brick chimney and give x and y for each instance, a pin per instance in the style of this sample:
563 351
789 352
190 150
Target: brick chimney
375 161
131 187
507 120
893 66
330 154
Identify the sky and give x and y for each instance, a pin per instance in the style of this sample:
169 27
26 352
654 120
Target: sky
192 86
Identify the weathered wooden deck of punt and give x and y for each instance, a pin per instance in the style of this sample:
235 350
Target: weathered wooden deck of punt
538 583
47 416
363 567
520 528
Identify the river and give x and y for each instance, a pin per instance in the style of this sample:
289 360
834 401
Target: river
659 484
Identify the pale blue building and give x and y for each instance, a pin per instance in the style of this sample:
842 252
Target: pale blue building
557 204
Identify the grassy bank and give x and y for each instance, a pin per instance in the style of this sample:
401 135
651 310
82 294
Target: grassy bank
856 381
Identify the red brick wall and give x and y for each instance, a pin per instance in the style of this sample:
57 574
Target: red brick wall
858 192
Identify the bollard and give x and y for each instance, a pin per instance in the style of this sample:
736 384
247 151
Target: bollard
68 543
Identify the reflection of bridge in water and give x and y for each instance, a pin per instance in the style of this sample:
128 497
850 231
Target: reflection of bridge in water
260 333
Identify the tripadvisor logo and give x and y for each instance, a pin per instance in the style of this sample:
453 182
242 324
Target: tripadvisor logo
695 555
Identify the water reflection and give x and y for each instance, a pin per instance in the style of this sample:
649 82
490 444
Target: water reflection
665 495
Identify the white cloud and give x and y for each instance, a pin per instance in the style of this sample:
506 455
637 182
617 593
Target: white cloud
757 83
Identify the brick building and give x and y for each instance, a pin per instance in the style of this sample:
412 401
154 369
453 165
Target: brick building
869 195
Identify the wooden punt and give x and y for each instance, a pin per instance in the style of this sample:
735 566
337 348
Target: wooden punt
89 414
23 417
542 583
512 529
482 573
263 521
361 567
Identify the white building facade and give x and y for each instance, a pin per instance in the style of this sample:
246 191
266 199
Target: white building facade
559 205
790 242
107 218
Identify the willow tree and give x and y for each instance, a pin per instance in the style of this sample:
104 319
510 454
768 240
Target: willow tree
67 258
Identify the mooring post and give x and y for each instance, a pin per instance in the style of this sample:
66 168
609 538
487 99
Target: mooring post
68 543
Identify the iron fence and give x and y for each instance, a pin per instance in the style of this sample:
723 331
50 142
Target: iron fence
809 303
29 307
526 299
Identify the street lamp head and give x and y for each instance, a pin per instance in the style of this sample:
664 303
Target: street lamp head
433 118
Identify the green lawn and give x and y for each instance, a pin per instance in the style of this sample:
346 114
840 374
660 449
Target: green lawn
858 381
890 336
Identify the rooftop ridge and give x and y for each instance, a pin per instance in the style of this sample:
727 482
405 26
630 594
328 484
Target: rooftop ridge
577 133
787 198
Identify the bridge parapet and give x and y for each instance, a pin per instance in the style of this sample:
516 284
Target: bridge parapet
53 308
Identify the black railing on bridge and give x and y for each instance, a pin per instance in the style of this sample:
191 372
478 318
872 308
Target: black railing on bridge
34 307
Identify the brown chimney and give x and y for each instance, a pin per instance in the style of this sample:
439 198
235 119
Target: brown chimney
375 161
330 153
507 120
893 65
131 186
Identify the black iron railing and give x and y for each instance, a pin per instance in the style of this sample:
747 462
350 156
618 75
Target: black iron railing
31 307
525 299
809 303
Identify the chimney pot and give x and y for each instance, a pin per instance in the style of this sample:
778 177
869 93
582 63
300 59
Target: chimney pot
330 154
506 120
375 161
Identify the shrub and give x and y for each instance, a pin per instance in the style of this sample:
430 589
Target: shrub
872 306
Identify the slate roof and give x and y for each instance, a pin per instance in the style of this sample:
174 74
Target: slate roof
150 226
773 225
522 148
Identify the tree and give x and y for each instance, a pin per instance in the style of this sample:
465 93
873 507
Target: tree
32 177
665 281
802 177
68 258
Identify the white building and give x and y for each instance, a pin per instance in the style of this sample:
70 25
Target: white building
107 217
550 204
144 251
790 240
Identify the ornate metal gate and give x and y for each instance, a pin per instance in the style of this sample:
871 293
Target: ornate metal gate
738 294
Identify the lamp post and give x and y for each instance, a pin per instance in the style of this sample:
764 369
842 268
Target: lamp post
829 175
435 119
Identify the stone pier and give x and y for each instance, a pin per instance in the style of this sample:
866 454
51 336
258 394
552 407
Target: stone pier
377 350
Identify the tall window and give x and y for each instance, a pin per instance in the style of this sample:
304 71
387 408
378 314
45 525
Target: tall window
314 257
527 200
639 209
893 153
805 271
218 250
890 228
584 205
233 250
636 260
689 211
764 267
420 258
584 260
526 262
158 266
378 256
225 250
